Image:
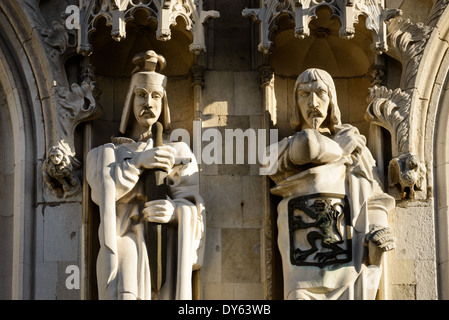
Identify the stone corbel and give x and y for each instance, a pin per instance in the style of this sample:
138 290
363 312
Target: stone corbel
266 16
391 109
73 105
118 12
69 105
59 171
303 11
200 18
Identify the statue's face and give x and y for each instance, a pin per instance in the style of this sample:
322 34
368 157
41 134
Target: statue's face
313 102
56 157
147 104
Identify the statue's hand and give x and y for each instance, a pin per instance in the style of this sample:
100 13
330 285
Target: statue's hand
379 241
159 211
162 157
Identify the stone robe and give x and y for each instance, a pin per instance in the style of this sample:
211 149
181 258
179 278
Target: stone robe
352 176
123 270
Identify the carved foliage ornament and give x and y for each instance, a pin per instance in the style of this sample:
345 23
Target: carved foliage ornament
390 109
407 42
118 12
59 45
303 11
70 104
73 106
76 105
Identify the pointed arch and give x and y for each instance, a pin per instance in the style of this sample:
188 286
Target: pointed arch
24 87
431 117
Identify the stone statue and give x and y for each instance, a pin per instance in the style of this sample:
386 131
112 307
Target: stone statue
118 173
58 172
332 219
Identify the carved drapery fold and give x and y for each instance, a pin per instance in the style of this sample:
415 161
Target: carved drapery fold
303 11
118 12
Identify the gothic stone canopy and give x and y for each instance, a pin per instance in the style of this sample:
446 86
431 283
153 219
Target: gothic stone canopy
166 12
303 11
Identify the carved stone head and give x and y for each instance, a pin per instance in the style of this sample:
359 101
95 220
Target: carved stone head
146 98
316 103
56 155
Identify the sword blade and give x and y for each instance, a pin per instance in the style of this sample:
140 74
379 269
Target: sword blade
156 188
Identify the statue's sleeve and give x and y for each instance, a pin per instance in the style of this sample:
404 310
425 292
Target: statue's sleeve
278 168
367 193
98 175
126 176
122 172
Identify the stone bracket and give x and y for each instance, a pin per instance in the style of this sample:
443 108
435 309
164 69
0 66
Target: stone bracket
118 12
67 105
303 11
392 109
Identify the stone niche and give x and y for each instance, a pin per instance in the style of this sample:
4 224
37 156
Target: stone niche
348 61
7 197
113 65
112 62
353 65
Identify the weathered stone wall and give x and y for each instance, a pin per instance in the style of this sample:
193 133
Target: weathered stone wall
51 236
411 270
232 193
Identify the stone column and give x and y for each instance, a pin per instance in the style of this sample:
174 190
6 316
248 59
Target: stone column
86 254
266 76
197 73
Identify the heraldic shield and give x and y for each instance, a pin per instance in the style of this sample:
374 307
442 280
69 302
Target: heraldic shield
320 231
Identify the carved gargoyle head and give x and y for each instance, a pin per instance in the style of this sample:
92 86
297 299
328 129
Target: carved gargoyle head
58 172
407 172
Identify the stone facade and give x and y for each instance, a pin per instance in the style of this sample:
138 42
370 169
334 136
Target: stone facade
64 88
